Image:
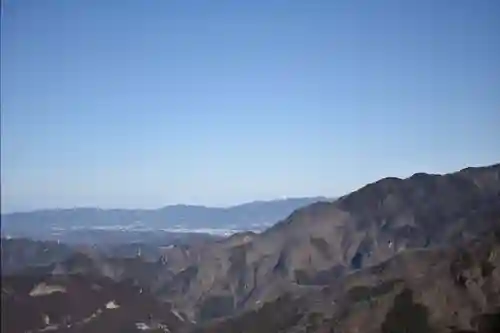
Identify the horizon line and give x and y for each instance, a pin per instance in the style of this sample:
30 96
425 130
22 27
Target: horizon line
37 210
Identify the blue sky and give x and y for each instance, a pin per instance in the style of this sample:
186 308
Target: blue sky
147 103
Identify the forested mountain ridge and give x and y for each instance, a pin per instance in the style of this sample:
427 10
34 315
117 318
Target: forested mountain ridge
330 239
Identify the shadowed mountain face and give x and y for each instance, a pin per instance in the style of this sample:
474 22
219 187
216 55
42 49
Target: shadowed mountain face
328 239
455 289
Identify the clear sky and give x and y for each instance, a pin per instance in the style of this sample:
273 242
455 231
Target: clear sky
124 103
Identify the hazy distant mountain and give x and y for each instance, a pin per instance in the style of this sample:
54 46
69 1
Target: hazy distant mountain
177 218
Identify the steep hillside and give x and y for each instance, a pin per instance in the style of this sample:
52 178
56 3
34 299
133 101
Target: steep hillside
453 289
328 239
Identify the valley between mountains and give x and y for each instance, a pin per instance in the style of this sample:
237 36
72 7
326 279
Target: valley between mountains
420 254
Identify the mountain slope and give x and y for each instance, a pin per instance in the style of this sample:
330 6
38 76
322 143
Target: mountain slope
454 289
80 303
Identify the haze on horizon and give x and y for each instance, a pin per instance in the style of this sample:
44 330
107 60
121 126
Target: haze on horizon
141 104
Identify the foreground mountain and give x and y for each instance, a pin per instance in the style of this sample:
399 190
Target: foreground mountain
69 223
454 289
327 240
81 303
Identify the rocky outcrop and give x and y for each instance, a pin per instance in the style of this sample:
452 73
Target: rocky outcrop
43 289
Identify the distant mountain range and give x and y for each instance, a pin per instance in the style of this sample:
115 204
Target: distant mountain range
58 223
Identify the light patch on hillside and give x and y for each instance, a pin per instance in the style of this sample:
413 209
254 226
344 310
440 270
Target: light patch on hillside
43 289
177 315
112 305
